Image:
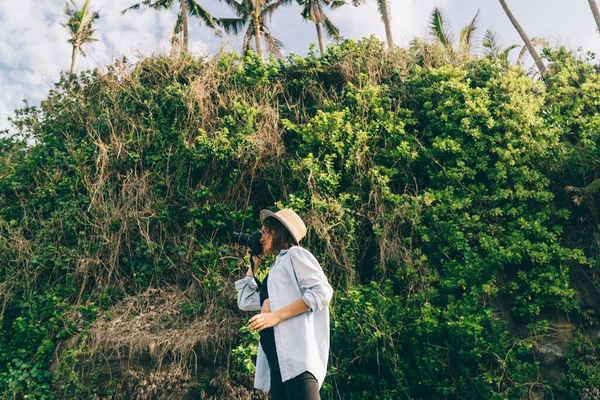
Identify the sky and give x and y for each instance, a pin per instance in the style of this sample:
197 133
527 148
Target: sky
34 48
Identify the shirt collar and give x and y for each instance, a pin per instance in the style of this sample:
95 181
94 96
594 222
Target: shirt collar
282 253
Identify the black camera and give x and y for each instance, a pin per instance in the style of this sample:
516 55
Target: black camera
250 240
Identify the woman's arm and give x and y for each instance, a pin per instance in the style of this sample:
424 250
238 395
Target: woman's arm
266 307
292 309
315 289
248 297
270 319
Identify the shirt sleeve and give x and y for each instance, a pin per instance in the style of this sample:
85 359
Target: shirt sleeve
316 290
248 297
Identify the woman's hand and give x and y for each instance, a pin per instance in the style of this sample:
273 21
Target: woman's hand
264 320
257 261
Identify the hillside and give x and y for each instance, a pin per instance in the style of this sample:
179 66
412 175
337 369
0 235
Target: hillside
453 204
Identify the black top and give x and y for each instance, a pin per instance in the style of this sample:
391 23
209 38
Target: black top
267 335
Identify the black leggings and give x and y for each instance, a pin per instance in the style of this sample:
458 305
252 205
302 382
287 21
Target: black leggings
302 387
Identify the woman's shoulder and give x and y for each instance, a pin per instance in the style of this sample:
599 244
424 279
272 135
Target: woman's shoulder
300 252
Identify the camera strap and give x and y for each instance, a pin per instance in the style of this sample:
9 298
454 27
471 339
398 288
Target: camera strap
258 283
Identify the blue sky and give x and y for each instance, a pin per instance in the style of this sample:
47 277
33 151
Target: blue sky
34 48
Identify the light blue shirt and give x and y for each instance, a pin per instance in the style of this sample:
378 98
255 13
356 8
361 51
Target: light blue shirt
302 341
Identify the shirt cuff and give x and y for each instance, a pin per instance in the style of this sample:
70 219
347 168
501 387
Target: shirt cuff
312 301
246 281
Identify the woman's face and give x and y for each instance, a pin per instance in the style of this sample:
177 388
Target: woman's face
267 240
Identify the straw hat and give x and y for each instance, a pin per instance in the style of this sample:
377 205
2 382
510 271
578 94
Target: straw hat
289 219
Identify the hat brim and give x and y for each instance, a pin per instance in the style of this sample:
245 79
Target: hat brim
264 214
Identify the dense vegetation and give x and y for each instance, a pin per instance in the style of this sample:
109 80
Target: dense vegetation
451 205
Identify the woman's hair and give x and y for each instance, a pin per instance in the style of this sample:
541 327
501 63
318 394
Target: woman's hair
282 238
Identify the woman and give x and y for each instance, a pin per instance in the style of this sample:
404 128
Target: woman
294 303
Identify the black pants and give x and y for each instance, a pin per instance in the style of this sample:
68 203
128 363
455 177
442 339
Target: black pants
302 387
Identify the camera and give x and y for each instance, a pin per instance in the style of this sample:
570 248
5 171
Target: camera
250 240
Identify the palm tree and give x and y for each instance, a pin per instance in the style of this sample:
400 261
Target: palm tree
253 16
595 11
313 11
441 30
186 8
79 26
528 43
492 46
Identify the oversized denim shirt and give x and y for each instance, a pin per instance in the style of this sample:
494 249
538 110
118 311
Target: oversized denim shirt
302 341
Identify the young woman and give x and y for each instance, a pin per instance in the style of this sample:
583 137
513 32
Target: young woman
293 322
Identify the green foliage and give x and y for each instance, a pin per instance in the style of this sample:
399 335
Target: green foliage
244 355
583 367
435 197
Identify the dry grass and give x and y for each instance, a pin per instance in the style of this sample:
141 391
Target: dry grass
152 324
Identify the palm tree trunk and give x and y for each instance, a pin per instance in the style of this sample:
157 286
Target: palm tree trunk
73 59
320 37
595 11
387 21
530 47
184 23
256 22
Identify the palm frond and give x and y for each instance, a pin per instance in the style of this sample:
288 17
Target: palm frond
306 5
491 44
157 5
162 4
178 24
521 55
336 4
267 11
593 187
199 12
177 30
466 34
71 23
84 8
285 2
439 28
274 45
137 6
306 13
504 54
88 19
67 10
536 42
332 31
239 8
232 25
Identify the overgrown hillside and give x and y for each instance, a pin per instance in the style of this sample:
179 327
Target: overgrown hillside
453 205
